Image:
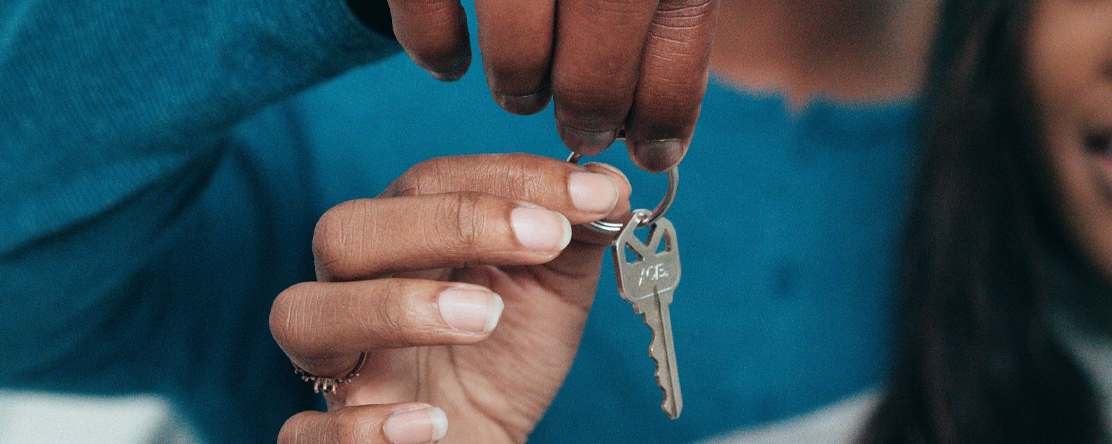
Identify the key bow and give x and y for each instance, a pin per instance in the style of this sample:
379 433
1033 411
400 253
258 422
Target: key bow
650 269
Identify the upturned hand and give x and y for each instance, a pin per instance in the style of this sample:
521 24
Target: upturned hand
466 289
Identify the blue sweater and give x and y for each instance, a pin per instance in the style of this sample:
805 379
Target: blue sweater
158 188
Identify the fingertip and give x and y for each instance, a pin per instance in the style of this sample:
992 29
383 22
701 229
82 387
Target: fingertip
585 142
592 193
452 71
567 233
418 425
470 310
523 105
657 156
540 230
615 174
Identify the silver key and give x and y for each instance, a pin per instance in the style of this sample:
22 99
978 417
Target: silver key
647 281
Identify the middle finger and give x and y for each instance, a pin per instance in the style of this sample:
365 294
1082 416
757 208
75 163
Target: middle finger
515 38
596 68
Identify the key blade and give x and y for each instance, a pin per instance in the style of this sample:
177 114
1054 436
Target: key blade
647 278
661 349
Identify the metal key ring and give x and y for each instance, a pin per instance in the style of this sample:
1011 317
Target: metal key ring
613 228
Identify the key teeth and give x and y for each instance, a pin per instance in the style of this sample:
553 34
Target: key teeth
660 358
672 411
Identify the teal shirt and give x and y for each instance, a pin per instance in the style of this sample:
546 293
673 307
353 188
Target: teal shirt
787 226
157 190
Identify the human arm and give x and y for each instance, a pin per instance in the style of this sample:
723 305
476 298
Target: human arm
116 116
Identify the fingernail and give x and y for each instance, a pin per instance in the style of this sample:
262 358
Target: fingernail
417 426
540 230
592 192
471 311
587 143
523 105
657 155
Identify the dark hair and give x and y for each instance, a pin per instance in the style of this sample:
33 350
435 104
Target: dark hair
977 359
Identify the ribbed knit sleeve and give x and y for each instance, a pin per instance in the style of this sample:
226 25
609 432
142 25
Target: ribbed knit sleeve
142 233
131 89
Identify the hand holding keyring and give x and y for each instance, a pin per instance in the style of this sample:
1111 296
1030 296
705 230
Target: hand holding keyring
648 272
463 289
613 228
639 64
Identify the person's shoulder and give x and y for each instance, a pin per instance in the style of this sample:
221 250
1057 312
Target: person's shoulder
837 423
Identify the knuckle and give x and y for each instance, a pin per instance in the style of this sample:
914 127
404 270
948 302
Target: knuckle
521 177
462 220
343 238
685 13
329 236
421 179
671 103
391 312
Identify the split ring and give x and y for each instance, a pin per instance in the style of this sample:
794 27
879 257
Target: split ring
613 228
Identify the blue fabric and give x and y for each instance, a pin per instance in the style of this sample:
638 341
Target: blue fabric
152 205
142 236
786 221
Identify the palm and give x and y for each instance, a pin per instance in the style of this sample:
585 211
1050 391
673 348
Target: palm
414 280
497 389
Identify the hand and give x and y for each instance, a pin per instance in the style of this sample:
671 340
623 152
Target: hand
418 279
641 64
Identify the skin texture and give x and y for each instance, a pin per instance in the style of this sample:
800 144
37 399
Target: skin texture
382 263
606 64
1070 62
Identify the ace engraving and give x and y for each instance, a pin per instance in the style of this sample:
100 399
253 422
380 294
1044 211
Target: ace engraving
648 271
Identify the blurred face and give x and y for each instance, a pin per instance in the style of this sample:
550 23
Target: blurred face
1070 61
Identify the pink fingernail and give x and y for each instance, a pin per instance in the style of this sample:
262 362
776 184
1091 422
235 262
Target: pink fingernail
471 311
541 230
417 426
592 193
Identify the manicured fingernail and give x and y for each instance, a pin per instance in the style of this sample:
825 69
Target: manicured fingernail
658 155
417 426
524 104
541 230
587 143
471 311
592 192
